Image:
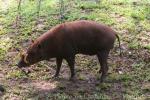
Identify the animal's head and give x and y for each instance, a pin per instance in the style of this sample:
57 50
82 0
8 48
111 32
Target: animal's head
31 56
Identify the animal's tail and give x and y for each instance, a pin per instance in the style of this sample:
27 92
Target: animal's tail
119 44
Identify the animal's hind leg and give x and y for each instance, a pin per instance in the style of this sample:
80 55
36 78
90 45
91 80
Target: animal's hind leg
71 61
102 57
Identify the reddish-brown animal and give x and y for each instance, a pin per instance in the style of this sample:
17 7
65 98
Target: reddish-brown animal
66 40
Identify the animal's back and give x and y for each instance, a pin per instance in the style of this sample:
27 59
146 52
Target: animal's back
85 37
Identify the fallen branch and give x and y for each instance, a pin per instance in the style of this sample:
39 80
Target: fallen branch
39 8
19 13
62 9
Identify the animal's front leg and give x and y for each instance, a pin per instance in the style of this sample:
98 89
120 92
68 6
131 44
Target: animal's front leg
58 63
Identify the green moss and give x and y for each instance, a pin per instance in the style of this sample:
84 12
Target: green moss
5 44
119 14
126 77
59 96
138 14
15 74
100 96
145 24
133 45
88 5
147 47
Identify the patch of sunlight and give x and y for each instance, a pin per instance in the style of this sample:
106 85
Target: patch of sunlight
45 85
49 3
14 74
5 44
52 2
5 4
2 30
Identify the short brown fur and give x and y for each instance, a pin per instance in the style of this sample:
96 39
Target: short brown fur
66 40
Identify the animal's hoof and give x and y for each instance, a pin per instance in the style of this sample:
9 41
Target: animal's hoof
26 71
1 89
72 79
100 71
55 77
101 80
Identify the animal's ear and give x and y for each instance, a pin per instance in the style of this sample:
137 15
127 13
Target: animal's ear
21 53
32 41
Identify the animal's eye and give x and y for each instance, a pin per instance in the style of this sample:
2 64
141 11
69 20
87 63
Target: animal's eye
39 46
31 53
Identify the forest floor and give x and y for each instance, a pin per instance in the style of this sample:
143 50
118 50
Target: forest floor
129 75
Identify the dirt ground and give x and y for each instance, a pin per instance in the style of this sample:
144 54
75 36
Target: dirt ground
128 77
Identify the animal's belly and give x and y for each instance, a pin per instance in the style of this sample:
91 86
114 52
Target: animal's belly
87 51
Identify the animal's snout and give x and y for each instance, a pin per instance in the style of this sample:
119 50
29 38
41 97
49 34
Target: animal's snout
21 64
18 64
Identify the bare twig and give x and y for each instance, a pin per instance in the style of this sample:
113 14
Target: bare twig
19 12
97 1
19 5
39 8
62 9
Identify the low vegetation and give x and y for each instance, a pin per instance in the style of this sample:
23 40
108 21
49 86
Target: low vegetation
128 78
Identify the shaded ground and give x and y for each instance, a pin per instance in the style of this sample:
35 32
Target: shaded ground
128 77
